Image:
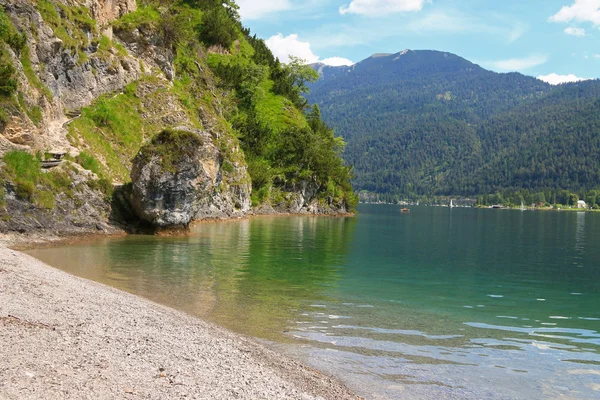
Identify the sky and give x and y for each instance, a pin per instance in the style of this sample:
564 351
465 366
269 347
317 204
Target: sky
556 40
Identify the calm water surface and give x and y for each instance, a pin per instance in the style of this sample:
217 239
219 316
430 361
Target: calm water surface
440 303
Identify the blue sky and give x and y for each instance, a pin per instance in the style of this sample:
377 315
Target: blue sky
535 37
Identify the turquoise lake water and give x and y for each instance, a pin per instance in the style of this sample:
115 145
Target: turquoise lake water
439 303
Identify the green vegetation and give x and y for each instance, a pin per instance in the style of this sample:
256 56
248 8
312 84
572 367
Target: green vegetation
424 124
9 34
33 184
172 146
113 129
8 37
246 95
105 47
89 162
71 24
226 81
284 142
34 112
218 27
557 198
145 18
31 75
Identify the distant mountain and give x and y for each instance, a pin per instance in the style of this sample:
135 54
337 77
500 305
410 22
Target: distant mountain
433 123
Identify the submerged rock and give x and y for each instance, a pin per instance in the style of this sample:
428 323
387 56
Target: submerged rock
178 178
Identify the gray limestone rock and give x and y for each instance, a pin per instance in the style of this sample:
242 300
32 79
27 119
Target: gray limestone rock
178 178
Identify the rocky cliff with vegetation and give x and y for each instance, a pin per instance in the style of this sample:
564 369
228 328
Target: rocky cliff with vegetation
117 112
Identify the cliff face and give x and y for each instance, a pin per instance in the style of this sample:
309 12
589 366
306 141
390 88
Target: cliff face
106 11
96 81
59 77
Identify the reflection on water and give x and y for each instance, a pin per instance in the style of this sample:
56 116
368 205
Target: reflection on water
249 275
439 303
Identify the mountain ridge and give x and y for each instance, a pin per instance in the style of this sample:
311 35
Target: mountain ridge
430 123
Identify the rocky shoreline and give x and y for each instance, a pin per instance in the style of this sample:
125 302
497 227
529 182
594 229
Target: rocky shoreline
68 338
24 236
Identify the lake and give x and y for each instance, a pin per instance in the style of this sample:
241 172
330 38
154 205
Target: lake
439 303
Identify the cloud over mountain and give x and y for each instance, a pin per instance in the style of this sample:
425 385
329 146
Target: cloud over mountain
381 7
285 46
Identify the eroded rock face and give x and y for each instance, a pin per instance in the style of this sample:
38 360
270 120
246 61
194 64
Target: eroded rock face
178 178
106 11
74 78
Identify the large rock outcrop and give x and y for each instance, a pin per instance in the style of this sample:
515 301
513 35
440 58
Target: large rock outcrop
69 78
179 177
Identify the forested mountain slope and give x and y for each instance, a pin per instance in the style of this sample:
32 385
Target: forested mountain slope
432 123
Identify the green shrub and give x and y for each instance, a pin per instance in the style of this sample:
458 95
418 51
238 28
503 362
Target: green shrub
8 83
113 129
31 184
45 199
259 196
218 28
71 24
35 114
87 161
172 146
22 165
145 17
101 114
24 190
227 167
9 34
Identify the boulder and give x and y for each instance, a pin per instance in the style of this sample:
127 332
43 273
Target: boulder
178 178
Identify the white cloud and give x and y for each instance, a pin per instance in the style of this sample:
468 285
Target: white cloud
518 64
256 9
337 61
581 11
580 32
381 7
597 56
284 46
555 79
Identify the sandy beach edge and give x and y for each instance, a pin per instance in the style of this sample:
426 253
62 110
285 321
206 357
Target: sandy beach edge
65 337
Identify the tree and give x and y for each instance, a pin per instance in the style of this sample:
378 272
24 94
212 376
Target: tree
592 197
291 80
573 199
218 28
540 197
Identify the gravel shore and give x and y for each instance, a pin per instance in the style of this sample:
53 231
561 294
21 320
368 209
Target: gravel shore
63 337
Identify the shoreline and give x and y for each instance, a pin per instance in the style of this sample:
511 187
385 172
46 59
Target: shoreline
38 239
66 337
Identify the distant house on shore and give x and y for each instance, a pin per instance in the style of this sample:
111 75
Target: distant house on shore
581 204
